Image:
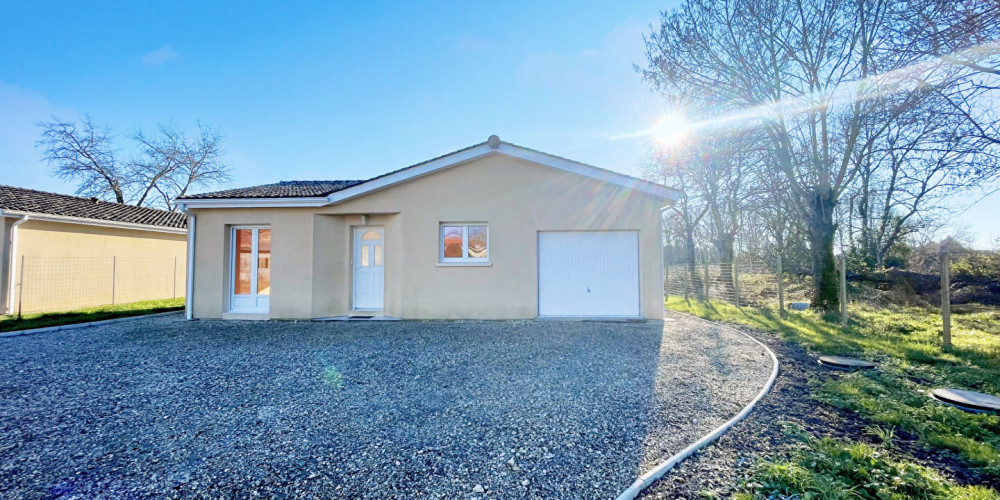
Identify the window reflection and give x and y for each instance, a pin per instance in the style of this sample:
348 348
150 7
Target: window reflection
477 242
452 242
244 261
264 262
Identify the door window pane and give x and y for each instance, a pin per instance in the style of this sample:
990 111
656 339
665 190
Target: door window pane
452 242
378 255
364 256
372 236
244 261
477 242
264 262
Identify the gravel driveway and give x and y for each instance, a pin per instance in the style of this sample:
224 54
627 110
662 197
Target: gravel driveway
490 409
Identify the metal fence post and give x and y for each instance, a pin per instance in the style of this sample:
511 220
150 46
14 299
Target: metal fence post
946 298
20 289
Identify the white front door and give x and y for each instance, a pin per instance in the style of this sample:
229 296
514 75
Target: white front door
588 273
369 274
250 285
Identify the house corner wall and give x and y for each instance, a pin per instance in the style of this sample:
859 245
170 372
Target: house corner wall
5 284
291 260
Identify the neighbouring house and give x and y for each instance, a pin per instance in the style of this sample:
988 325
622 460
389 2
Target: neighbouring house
65 252
492 231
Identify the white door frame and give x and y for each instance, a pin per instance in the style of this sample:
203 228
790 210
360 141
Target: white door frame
373 303
258 304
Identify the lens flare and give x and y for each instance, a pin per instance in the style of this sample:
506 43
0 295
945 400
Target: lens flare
672 129
669 130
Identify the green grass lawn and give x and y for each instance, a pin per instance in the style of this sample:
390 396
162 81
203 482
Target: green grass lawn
906 343
40 320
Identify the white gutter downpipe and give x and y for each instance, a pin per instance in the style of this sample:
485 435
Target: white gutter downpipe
12 263
189 294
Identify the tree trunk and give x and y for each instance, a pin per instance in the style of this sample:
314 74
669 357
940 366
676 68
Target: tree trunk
821 235
694 280
725 244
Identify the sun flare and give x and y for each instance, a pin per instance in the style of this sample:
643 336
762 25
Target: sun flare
669 130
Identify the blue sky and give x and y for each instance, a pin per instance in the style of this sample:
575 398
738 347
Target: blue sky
325 90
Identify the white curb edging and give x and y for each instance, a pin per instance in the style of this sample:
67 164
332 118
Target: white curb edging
73 326
645 480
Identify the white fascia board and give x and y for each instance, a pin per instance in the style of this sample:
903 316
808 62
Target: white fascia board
410 173
588 171
316 201
65 219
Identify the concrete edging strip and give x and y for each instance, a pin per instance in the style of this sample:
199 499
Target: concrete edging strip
72 326
645 480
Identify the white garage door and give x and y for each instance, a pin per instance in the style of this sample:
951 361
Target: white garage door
588 273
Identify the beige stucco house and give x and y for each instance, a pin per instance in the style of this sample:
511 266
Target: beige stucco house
492 231
63 252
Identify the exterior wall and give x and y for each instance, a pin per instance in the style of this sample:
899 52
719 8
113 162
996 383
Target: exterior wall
62 266
312 247
5 224
291 259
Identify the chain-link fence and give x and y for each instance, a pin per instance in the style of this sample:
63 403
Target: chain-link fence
49 284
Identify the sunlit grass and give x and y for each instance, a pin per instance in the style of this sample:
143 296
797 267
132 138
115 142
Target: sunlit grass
40 320
833 469
906 343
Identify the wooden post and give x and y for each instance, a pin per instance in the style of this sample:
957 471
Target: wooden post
946 297
114 269
687 283
843 291
781 287
707 278
736 281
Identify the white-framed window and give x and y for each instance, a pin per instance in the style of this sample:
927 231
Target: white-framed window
250 268
464 242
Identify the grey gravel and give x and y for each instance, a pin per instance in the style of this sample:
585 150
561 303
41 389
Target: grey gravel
523 409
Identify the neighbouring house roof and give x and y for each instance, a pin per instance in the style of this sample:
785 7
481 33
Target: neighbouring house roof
21 201
320 193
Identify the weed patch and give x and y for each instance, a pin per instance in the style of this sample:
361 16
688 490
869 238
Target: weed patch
906 344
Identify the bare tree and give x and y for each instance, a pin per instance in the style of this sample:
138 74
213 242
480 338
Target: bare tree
812 75
84 154
165 166
171 164
671 168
